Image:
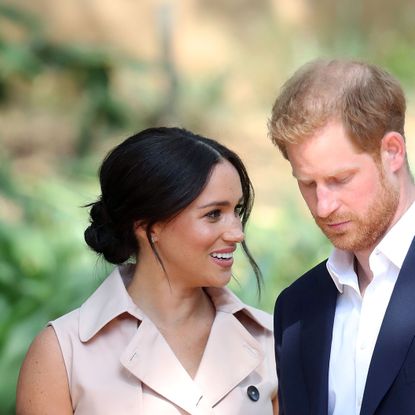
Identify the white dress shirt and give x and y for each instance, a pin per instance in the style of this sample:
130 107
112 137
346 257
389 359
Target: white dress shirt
358 319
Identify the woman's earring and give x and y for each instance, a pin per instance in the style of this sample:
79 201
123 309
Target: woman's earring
153 238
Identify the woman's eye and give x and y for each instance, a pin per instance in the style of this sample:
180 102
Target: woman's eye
239 210
214 214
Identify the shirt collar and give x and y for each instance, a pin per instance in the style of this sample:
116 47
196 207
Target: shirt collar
395 244
111 299
340 266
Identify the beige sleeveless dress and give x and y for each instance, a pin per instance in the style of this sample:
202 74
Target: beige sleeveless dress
118 363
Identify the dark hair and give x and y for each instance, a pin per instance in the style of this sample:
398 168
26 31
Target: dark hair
151 177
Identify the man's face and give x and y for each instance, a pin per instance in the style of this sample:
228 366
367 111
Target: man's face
347 192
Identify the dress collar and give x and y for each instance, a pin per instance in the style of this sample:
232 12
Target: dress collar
111 299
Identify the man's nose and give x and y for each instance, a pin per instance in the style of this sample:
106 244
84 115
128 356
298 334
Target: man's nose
326 202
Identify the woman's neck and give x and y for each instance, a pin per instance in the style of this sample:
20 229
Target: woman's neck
166 303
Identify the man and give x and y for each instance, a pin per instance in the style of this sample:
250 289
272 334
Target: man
345 331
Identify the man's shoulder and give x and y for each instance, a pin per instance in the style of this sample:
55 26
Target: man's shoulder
310 278
311 283
311 288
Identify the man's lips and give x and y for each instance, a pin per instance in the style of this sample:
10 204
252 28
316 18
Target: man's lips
337 226
333 222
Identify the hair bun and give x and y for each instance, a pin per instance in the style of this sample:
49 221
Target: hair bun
101 236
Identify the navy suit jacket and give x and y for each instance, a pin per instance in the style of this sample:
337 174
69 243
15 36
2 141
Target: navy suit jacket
303 323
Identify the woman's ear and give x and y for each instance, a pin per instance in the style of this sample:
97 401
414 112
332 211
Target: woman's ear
393 150
140 231
156 229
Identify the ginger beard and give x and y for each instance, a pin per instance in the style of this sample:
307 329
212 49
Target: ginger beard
367 229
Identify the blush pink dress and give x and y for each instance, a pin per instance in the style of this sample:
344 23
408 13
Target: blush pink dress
118 363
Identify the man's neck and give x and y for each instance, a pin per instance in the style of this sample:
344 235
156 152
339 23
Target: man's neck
363 272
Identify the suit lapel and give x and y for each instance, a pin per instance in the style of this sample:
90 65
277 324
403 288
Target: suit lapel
316 339
395 336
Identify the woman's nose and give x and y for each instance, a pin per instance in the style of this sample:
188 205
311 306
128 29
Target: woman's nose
235 232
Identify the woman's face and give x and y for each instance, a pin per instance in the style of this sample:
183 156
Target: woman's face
197 246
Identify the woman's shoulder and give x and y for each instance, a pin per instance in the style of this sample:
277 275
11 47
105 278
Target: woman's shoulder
66 325
42 380
109 300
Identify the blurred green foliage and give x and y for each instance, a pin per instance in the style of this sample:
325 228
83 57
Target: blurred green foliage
45 268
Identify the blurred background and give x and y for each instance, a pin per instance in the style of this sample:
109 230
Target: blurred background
78 77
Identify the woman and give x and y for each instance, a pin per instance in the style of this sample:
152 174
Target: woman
162 334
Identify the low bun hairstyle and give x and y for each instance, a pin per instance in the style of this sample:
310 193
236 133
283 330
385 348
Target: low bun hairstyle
103 237
151 177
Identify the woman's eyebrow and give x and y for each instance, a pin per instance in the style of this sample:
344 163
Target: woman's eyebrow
216 203
219 203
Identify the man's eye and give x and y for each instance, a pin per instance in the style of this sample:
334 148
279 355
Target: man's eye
341 179
307 185
344 179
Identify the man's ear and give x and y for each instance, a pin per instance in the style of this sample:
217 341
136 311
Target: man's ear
393 150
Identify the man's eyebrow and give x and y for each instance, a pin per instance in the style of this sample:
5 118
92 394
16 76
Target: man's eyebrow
339 172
